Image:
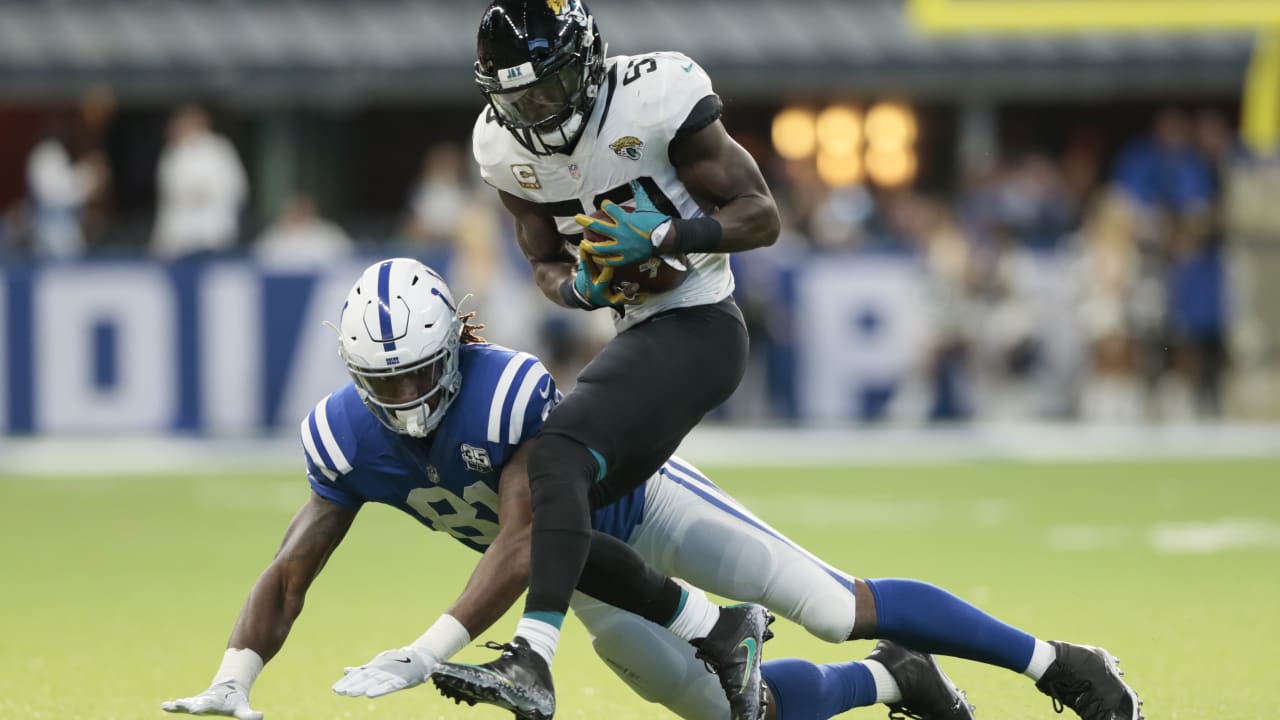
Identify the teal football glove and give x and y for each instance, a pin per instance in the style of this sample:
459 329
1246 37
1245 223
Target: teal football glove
593 283
629 233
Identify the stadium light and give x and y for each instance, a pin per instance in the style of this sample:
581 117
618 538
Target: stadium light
890 125
794 133
849 147
839 130
839 169
891 168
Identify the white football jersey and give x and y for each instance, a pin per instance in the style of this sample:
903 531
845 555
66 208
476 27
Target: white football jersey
642 104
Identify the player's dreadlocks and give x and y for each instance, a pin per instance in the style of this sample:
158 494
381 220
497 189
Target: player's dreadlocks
471 331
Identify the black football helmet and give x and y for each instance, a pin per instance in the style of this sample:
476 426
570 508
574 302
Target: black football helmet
540 64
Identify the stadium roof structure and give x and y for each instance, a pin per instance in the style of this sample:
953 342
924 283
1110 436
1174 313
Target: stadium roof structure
341 51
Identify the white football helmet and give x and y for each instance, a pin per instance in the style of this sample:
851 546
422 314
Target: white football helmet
399 336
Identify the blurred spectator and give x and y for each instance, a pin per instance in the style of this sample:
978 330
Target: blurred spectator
97 111
300 239
838 222
947 257
1029 202
1178 301
58 188
202 187
1163 169
1199 282
765 291
439 198
1108 275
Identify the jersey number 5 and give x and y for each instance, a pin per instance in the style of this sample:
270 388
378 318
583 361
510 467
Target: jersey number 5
637 66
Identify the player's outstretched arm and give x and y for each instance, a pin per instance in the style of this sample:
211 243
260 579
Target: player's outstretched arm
268 614
721 174
499 578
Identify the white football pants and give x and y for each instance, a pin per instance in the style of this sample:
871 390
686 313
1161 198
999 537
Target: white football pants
694 531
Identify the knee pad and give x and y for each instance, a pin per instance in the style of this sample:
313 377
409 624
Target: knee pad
755 567
742 569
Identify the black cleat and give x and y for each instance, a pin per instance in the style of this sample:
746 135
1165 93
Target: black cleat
1087 680
732 651
927 693
519 681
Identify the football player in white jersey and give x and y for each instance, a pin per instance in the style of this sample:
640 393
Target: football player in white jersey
568 130
438 424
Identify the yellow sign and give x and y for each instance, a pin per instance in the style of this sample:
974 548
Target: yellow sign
1020 16
557 6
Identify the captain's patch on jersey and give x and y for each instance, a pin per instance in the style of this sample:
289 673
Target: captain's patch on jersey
476 459
527 178
627 147
433 474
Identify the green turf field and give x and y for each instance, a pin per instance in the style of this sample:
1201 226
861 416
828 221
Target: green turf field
119 593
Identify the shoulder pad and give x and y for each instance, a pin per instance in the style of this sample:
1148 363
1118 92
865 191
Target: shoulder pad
495 151
665 87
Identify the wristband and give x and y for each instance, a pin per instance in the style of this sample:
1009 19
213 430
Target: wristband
572 299
697 235
239 664
443 639
659 234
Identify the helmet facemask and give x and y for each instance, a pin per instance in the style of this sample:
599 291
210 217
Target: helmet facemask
413 399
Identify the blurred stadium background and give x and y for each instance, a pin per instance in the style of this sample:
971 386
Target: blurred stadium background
1053 224
1038 230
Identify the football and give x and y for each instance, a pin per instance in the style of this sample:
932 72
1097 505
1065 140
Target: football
658 274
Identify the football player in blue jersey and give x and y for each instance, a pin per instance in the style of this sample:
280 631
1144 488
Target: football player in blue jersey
438 423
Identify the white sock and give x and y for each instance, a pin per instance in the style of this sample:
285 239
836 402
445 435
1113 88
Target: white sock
696 616
887 689
1041 659
542 636
239 664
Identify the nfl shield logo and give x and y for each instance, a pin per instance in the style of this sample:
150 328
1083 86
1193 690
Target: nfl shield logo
574 171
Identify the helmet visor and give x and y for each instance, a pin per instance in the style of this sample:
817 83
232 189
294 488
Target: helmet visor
409 387
542 104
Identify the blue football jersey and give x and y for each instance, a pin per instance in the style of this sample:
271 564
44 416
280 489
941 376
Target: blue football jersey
449 480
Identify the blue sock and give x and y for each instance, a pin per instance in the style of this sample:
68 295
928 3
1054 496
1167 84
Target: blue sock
929 619
805 691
